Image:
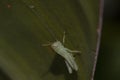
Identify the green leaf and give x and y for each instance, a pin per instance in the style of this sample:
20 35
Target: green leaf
27 24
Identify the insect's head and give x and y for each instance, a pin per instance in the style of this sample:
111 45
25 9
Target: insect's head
56 44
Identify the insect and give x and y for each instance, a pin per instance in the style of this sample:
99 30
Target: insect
66 53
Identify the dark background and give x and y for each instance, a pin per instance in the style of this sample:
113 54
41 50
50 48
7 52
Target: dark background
108 65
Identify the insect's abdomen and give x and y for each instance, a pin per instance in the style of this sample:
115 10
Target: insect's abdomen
68 57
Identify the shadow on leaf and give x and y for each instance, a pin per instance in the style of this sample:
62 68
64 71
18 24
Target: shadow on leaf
59 67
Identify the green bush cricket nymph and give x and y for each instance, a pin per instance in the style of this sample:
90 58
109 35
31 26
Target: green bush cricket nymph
66 53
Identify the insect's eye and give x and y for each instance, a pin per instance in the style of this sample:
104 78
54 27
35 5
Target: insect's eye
55 45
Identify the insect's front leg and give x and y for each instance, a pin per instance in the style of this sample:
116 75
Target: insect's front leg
64 37
48 44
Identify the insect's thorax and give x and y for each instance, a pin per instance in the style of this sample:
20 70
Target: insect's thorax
58 47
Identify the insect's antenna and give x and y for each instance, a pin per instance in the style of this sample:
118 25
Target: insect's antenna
51 32
32 7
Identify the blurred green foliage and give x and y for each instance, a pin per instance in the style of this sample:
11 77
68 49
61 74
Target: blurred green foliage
27 24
